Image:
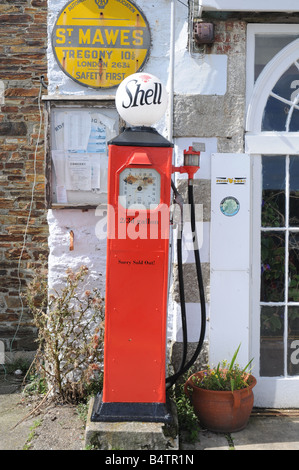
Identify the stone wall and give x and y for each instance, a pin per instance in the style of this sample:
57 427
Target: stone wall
23 31
216 119
220 116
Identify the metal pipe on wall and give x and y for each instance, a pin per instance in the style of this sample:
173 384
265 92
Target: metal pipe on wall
171 70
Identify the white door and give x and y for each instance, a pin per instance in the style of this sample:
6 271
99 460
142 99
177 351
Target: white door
272 141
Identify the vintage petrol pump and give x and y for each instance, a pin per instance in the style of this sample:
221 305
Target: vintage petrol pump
139 196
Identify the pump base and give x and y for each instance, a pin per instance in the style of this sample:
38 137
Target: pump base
117 412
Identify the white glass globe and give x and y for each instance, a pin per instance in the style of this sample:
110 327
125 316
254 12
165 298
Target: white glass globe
141 99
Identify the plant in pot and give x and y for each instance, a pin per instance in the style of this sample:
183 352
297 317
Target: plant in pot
222 397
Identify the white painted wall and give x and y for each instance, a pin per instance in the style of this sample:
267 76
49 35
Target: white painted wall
88 249
192 76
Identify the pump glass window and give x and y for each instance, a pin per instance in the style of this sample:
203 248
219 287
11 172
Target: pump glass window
139 188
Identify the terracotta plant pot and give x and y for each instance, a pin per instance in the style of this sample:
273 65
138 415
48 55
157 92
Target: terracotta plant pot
221 411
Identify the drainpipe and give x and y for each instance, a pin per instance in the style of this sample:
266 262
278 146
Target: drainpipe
171 70
200 8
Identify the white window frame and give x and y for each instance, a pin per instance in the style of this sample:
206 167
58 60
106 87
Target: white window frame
252 31
252 5
277 392
257 142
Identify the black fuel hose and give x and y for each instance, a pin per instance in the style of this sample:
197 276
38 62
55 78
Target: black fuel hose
180 202
184 367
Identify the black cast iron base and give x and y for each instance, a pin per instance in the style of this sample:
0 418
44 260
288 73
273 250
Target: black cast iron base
117 412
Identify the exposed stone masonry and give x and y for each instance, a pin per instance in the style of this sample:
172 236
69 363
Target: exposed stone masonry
23 31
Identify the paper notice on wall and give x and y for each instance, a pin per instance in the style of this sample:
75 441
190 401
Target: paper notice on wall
77 127
80 157
58 121
97 142
95 163
78 172
109 126
58 158
61 195
82 131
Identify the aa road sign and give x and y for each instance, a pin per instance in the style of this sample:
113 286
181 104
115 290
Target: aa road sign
98 43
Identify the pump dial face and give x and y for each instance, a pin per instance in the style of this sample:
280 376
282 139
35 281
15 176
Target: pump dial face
139 188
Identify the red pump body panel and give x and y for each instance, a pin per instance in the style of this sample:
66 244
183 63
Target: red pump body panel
136 284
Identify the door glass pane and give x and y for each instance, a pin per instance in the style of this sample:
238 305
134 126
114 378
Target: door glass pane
294 191
293 341
279 292
280 267
282 112
275 115
273 258
272 348
287 85
273 196
293 267
267 46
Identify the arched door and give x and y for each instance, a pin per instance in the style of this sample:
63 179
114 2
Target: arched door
272 140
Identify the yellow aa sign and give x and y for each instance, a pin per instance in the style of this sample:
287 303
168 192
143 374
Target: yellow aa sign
98 43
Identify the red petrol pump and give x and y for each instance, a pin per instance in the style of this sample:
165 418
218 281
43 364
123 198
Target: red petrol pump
139 199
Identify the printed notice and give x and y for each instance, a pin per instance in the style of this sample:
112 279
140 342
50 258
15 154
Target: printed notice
78 172
58 158
95 164
79 156
59 130
97 138
77 127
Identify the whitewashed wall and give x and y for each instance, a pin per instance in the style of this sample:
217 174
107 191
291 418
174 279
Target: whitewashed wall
200 74
204 75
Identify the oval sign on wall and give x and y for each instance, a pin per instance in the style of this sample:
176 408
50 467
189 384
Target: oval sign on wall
98 43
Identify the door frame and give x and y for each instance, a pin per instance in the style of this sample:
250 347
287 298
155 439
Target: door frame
278 392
